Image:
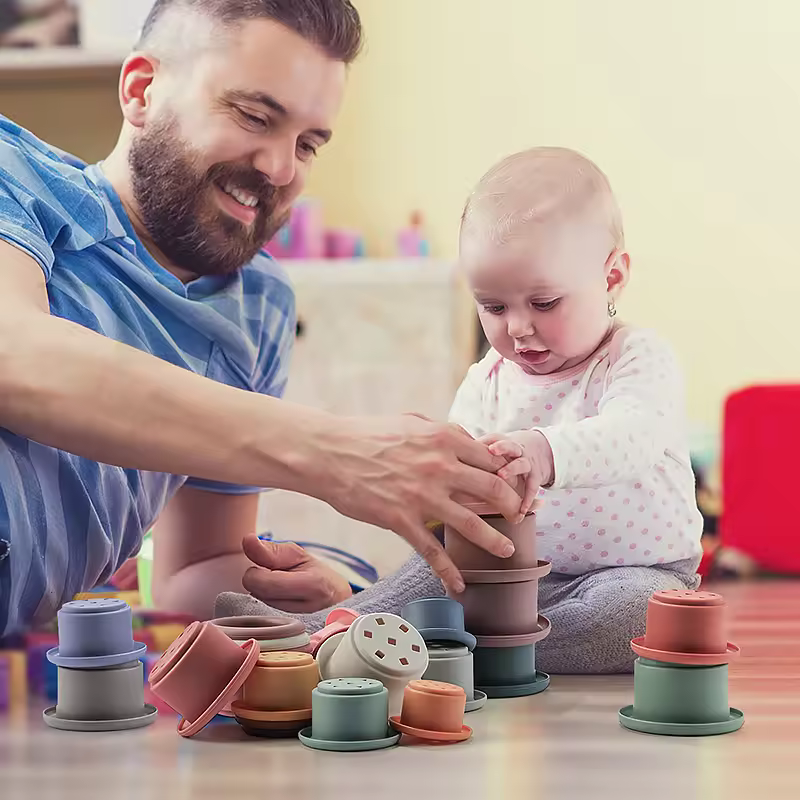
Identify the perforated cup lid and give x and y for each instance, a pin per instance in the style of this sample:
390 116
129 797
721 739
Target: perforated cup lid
390 645
350 686
283 658
687 597
94 606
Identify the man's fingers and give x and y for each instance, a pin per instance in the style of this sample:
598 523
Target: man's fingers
474 453
273 555
519 466
488 488
429 547
477 530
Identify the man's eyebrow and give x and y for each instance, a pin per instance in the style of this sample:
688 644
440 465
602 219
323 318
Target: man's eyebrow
264 99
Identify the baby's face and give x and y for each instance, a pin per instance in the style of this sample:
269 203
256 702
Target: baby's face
542 296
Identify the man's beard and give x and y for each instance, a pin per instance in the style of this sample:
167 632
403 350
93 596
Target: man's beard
175 200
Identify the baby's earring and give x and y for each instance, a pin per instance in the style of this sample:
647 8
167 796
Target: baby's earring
612 308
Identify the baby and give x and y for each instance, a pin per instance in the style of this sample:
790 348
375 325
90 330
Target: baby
589 411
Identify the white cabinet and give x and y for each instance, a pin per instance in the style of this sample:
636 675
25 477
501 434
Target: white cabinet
377 337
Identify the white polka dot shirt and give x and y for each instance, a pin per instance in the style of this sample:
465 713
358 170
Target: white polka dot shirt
624 491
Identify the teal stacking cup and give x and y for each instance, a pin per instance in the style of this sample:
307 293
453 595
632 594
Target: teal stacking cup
349 714
508 671
680 700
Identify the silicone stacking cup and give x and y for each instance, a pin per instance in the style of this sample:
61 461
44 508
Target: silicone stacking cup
434 711
686 627
453 663
200 673
276 697
259 628
94 634
337 621
466 555
380 646
508 671
680 700
493 606
349 714
438 619
106 699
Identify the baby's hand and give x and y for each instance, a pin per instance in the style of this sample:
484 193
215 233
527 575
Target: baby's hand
528 454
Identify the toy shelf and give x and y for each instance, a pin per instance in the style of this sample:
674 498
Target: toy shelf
55 63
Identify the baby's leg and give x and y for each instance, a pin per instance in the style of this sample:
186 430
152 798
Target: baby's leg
595 616
414 580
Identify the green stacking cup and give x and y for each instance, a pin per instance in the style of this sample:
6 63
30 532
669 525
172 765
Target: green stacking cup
680 700
508 671
349 714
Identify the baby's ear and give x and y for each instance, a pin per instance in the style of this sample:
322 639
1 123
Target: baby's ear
618 271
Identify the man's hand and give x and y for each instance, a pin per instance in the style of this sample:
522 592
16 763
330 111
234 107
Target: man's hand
401 473
290 579
529 456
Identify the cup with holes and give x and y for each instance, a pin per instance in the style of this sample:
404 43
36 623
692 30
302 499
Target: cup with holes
337 621
453 663
686 627
433 711
680 700
502 602
276 697
508 671
466 555
380 646
94 634
200 673
438 619
107 699
349 714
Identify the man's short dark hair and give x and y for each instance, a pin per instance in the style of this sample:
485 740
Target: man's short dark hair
333 25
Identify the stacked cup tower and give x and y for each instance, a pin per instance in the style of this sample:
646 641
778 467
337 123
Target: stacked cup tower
681 673
501 606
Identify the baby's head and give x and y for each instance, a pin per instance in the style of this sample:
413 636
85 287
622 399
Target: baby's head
542 247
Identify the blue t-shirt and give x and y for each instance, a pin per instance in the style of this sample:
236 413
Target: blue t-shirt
70 522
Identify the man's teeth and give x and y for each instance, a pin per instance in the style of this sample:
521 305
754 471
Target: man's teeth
241 196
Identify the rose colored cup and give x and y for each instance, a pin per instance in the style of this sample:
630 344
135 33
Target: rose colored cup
200 672
337 621
501 608
433 710
466 555
280 681
684 621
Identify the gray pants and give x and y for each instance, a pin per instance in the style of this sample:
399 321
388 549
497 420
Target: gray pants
593 616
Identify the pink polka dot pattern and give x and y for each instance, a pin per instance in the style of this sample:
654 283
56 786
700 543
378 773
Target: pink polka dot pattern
620 497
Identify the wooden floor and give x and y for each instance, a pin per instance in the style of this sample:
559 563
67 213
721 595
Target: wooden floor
565 743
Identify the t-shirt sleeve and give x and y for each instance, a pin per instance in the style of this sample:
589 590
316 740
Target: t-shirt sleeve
45 203
640 411
272 372
469 407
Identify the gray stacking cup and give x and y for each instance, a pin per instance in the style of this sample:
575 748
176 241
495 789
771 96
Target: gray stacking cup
508 671
438 619
95 634
101 699
453 663
111 693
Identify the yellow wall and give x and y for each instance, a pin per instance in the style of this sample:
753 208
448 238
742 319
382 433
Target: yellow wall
690 106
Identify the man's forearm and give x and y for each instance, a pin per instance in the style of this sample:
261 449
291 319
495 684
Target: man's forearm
194 589
67 387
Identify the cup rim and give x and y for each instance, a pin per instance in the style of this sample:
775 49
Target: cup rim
690 659
507 575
